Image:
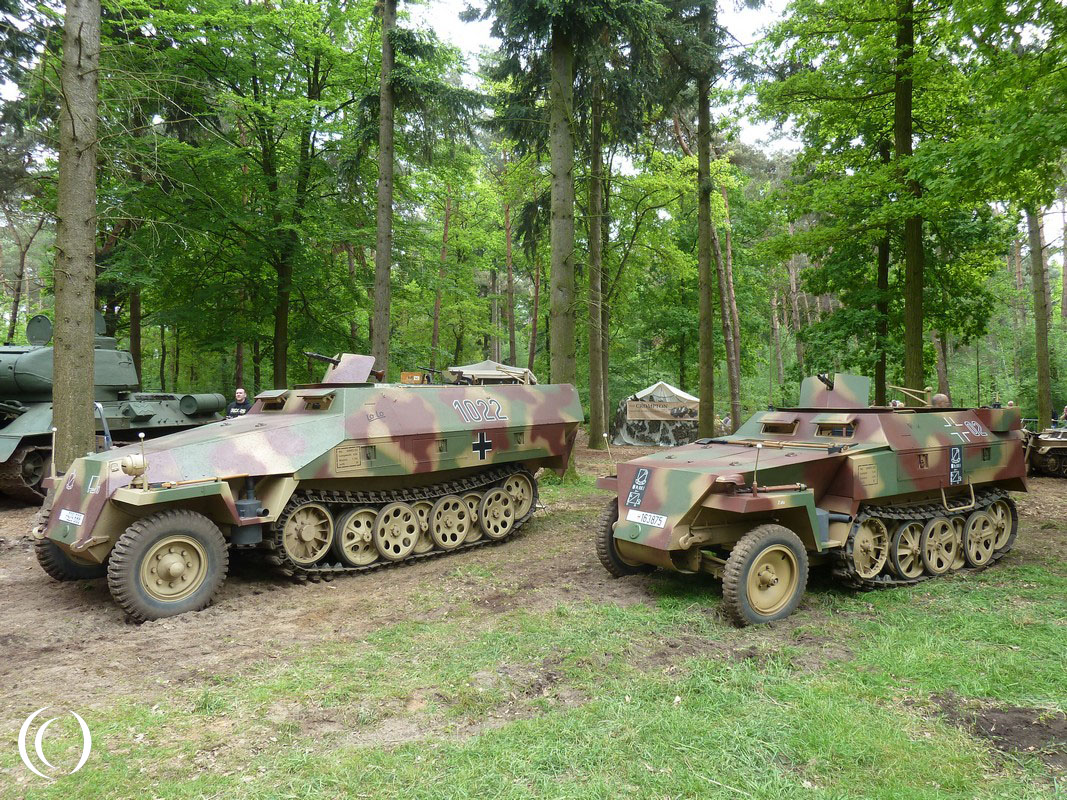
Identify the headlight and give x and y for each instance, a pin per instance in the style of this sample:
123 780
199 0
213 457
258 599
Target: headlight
133 465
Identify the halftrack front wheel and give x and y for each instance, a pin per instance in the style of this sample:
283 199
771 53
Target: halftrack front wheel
166 564
63 566
765 576
396 531
905 553
308 533
496 514
353 543
450 522
979 539
605 545
938 545
1005 518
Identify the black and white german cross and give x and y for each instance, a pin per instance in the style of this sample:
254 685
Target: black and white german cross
482 446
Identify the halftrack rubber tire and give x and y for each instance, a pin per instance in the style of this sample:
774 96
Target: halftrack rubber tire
605 545
62 566
755 561
198 542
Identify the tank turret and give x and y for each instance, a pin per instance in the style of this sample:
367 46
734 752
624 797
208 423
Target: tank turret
26 383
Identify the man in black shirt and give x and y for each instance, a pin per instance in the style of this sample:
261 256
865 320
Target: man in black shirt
240 405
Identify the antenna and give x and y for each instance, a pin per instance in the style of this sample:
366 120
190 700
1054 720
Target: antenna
607 443
755 468
144 475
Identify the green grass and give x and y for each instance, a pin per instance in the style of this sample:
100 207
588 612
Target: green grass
655 700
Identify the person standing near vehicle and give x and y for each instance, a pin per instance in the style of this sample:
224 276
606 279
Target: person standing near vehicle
240 405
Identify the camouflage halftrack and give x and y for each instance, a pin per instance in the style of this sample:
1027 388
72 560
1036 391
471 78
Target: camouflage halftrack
1047 451
887 497
121 411
337 477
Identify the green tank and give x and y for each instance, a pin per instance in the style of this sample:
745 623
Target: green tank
334 478
121 411
883 496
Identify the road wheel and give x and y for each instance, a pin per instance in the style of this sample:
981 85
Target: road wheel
396 531
523 490
166 564
905 554
474 503
352 543
960 560
937 545
979 537
450 522
1050 463
1006 522
869 547
765 576
605 545
497 515
423 508
63 566
307 533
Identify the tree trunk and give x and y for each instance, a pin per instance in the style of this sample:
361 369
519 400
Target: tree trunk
177 358
494 317
257 374
383 255
135 330
706 419
914 375
162 358
536 308
75 266
435 337
239 366
733 374
605 305
776 333
731 298
16 297
596 267
562 362
882 325
512 346
794 304
1037 275
941 348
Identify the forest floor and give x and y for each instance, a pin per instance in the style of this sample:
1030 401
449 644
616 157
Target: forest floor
524 670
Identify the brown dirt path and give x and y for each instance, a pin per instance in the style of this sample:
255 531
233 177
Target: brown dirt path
63 643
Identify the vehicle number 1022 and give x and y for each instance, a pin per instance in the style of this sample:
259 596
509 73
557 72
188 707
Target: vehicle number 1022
479 410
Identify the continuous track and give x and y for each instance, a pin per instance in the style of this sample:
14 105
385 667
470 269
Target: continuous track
338 501
844 569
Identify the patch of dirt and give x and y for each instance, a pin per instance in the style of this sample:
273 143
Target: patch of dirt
67 643
1027 731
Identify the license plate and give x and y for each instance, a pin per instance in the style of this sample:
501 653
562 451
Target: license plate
655 520
73 517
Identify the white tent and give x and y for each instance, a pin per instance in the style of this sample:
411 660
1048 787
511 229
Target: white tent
660 414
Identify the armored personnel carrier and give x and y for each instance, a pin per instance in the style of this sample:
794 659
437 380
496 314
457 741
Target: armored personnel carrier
887 496
1047 451
337 477
121 411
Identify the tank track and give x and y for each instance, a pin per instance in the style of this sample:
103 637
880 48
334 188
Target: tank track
12 482
334 498
842 565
